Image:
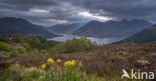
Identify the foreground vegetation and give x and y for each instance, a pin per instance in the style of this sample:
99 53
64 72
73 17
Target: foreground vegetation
53 71
74 60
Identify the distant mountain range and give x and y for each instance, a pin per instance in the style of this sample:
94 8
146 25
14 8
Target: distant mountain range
10 25
123 28
147 35
65 28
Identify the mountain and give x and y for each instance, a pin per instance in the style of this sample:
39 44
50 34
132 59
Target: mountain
123 28
147 35
10 25
65 28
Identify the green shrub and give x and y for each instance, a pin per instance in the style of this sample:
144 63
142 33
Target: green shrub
44 51
35 51
60 48
14 54
43 44
5 47
17 40
32 74
26 46
22 50
74 45
36 44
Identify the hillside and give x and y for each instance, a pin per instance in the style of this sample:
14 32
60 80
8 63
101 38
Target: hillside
10 25
105 61
23 45
147 35
121 28
65 28
29 57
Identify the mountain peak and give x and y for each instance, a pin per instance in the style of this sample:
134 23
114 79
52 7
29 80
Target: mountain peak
122 28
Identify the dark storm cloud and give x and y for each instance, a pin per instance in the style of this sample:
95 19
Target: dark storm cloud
120 8
26 4
49 12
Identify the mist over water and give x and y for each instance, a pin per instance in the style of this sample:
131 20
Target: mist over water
99 41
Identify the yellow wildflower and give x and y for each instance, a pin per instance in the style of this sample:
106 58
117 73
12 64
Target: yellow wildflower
50 61
73 63
59 60
43 66
66 63
70 63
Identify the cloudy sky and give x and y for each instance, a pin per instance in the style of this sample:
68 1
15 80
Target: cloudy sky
50 12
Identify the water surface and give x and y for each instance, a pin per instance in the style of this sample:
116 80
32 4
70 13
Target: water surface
99 41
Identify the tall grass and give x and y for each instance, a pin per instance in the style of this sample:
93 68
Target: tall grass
54 71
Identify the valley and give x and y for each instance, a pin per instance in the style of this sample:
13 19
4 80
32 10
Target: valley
31 57
99 41
77 40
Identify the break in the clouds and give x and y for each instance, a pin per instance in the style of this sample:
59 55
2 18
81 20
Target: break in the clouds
50 12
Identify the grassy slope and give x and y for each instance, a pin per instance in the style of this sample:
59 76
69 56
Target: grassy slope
105 59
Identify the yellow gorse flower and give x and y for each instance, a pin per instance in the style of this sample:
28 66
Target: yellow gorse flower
59 60
43 66
70 63
73 62
67 63
50 61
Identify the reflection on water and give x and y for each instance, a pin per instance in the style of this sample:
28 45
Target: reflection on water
99 41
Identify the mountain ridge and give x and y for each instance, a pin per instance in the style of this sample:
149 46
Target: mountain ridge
10 25
123 28
147 35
